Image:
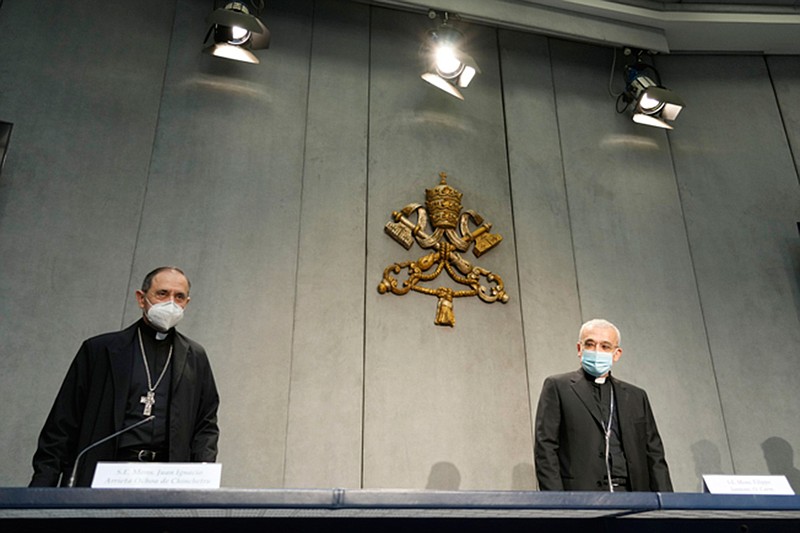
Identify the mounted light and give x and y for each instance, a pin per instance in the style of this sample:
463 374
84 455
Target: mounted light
448 67
649 102
236 32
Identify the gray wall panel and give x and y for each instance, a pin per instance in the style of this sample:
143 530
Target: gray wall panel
632 255
71 191
271 184
324 433
444 408
546 267
223 201
740 196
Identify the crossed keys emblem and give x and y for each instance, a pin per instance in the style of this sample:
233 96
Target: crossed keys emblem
451 236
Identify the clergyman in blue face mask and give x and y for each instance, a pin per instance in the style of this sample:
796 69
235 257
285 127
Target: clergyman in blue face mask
595 432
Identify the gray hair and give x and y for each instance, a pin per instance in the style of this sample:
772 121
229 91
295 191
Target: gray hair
600 322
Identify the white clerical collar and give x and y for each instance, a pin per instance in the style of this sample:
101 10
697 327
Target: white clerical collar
600 380
148 329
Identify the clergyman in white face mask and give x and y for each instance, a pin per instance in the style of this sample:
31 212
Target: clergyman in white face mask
163 301
595 432
128 381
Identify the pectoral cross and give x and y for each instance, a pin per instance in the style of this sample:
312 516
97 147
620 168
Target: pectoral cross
148 401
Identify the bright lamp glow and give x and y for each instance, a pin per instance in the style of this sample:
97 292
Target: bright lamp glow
650 104
239 36
447 64
448 67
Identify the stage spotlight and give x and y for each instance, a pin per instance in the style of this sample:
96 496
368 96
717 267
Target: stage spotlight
649 102
235 31
447 65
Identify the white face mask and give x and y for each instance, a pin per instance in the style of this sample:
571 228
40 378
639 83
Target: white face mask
165 315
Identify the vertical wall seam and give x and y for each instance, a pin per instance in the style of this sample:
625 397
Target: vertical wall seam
700 299
783 119
299 244
516 243
147 173
366 250
564 180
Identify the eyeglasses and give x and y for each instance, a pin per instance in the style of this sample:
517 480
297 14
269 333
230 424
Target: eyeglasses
164 295
589 344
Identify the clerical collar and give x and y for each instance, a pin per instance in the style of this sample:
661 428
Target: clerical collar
599 381
153 333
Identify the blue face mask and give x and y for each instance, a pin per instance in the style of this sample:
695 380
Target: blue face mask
596 363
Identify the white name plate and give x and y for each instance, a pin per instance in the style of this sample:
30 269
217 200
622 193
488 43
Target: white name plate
717 484
110 475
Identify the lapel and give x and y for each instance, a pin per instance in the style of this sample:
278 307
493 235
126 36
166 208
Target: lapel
583 389
622 399
180 352
120 356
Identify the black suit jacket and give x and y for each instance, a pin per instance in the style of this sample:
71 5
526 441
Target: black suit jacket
91 406
570 441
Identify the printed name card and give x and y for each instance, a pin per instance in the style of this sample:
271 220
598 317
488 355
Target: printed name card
718 484
111 475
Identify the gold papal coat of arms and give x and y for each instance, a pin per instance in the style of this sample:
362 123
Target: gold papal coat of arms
450 238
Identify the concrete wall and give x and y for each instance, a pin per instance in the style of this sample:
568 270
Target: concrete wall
271 184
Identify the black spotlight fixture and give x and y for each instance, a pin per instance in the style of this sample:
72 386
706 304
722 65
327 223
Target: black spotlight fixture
235 30
447 65
648 101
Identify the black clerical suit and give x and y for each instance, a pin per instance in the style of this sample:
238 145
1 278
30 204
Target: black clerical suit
93 398
570 438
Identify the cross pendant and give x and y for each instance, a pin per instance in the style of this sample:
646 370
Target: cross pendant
148 402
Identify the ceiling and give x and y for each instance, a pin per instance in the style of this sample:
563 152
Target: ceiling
670 26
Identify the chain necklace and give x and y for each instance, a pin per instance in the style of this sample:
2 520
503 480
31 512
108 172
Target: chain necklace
150 398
